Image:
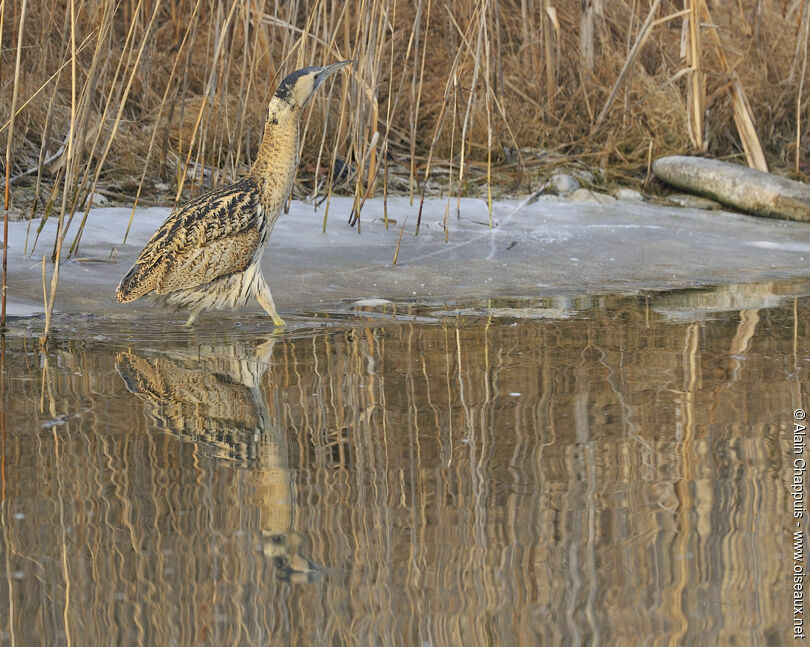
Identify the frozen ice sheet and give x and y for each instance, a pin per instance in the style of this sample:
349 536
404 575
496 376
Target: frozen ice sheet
545 248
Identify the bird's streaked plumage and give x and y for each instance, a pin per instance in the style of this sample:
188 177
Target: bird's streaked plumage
212 395
208 253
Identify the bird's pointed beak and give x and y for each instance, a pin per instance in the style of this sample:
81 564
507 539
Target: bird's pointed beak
328 70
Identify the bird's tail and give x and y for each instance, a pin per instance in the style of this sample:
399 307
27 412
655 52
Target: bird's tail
138 281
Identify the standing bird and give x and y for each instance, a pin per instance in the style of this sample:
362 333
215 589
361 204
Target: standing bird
208 253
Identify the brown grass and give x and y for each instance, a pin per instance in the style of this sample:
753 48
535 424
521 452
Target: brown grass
444 96
464 86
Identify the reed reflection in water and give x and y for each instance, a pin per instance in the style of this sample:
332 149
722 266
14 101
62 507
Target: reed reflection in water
615 476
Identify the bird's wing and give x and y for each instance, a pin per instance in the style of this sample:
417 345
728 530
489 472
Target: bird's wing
211 236
202 264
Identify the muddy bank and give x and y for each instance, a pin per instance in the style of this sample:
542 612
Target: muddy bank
549 247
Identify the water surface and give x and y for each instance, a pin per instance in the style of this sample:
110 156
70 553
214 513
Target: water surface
596 470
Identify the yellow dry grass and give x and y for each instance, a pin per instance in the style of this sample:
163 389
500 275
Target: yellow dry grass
496 82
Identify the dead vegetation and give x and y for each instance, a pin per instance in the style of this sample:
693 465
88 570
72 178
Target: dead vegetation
110 92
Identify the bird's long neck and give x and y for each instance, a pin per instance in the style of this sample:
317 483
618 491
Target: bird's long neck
277 159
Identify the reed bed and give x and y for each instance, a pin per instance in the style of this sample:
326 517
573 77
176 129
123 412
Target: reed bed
149 101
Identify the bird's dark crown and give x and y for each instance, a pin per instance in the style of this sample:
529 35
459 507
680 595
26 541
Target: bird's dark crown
285 88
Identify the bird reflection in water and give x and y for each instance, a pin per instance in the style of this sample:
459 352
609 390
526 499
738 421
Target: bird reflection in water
212 396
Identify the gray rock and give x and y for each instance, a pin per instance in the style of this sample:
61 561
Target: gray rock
586 195
693 201
98 199
586 177
629 194
563 184
758 193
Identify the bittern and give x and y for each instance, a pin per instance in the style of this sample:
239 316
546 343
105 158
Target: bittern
212 395
208 253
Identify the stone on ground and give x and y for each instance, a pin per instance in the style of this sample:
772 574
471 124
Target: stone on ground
746 189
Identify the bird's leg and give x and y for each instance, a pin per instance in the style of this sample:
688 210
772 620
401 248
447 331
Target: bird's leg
265 300
192 316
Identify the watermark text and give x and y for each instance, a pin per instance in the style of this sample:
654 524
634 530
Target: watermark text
797 492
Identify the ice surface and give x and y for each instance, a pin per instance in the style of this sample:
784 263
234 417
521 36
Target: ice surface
545 248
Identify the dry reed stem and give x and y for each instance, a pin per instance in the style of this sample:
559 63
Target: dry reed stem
59 239
209 89
4 285
467 123
159 114
649 165
487 93
440 124
40 163
804 26
590 10
341 121
643 35
743 118
697 80
122 103
551 52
